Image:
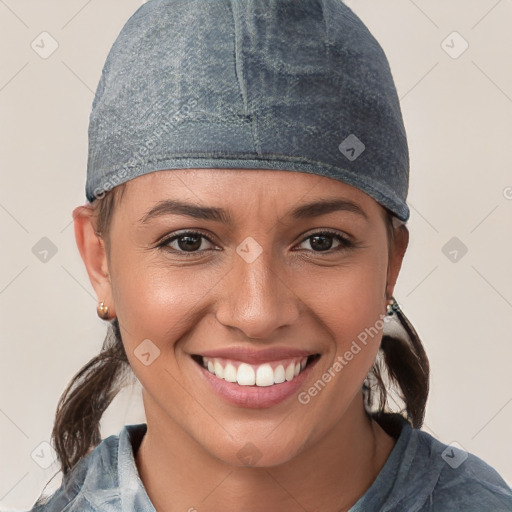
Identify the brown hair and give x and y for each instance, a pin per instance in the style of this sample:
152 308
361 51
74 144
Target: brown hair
401 368
76 430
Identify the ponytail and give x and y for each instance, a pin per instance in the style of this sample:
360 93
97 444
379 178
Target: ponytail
76 429
401 369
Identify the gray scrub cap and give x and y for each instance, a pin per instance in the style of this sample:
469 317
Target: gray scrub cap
292 85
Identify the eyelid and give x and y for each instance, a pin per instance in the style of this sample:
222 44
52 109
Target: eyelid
320 231
177 234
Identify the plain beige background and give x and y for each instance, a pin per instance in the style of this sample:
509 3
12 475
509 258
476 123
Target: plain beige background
457 107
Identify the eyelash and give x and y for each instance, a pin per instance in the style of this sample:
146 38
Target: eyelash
345 243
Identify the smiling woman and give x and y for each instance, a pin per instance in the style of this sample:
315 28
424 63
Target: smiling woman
244 232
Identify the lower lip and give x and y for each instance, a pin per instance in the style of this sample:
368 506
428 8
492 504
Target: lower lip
255 397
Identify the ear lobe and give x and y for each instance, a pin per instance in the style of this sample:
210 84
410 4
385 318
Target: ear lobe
397 250
92 250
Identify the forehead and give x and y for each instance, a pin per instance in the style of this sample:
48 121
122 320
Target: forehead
245 186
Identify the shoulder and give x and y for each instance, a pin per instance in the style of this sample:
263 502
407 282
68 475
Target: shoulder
450 479
465 480
93 484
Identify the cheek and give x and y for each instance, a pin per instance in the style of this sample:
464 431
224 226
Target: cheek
350 303
351 298
155 306
152 300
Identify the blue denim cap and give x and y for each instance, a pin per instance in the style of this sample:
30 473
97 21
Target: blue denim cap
292 85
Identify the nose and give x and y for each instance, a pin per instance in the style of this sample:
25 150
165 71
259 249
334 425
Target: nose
257 297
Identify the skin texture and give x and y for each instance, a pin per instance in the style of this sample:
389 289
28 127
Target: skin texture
322 455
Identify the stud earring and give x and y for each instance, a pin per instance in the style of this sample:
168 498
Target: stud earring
102 311
393 326
392 307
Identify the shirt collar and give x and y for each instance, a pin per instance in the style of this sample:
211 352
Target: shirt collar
132 492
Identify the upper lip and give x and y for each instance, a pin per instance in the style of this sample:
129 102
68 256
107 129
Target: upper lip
249 355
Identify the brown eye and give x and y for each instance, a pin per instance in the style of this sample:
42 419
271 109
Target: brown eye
323 241
187 242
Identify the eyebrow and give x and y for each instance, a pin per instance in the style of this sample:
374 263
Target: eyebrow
309 210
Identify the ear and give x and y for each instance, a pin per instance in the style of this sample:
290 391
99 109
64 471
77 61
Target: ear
397 249
92 250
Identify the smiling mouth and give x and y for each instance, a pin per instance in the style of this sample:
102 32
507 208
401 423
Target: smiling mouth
258 375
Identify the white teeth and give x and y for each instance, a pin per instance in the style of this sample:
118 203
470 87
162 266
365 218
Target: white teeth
245 375
290 371
230 373
264 375
279 375
219 371
249 375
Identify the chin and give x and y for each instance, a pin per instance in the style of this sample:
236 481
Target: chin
255 452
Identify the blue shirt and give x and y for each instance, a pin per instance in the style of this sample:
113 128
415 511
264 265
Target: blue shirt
421 474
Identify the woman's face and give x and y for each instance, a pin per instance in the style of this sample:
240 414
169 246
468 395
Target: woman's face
260 284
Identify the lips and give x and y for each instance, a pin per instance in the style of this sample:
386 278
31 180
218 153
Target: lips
261 386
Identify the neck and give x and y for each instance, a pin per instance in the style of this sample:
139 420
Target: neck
331 475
